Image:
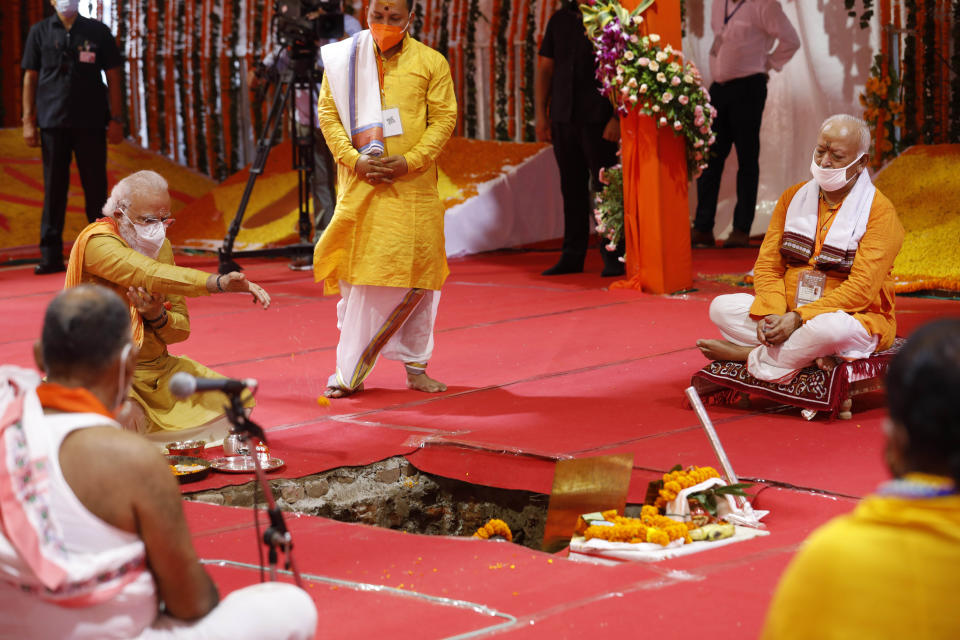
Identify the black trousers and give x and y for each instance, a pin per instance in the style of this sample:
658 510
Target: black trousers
739 105
581 152
59 146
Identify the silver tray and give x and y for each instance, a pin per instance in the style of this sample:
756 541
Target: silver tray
243 464
191 476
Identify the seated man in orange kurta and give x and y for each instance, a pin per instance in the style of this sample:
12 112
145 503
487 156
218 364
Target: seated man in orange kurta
822 279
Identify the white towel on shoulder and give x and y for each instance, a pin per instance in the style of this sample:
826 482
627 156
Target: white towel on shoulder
351 69
843 238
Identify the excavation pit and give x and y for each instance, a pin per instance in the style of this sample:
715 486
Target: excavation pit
394 494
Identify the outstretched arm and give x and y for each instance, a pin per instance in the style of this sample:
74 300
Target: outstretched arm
110 259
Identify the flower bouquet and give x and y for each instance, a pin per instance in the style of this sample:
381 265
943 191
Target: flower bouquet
636 72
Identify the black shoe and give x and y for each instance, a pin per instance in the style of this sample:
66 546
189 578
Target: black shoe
737 239
702 239
562 267
611 271
44 268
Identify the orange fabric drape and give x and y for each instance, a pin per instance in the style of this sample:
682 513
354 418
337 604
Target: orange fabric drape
655 209
74 276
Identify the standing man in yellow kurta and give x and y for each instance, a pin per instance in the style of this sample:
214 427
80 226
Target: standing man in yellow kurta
386 108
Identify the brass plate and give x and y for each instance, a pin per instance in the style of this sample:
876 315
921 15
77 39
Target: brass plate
583 486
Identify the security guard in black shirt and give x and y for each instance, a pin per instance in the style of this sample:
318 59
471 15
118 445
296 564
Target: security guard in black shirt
66 113
583 127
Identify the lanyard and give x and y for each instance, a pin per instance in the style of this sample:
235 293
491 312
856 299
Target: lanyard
728 16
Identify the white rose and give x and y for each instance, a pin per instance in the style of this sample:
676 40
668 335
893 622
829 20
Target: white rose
663 121
654 66
654 37
629 55
661 77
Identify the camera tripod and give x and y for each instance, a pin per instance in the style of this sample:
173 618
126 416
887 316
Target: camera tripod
299 75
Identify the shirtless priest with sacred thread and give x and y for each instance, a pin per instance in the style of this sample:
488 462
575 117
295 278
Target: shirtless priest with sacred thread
387 107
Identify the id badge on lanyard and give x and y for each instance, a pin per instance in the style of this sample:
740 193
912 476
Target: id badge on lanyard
810 286
392 126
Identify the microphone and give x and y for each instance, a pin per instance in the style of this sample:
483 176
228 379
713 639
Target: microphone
183 385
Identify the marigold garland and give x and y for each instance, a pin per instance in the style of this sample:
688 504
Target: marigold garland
676 481
882 111
494 527
649 527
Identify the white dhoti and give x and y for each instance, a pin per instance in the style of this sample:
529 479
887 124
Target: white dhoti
268 611
392 321
828 334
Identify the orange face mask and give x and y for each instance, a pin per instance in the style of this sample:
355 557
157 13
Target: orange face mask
386 36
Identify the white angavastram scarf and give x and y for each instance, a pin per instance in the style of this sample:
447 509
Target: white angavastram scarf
840 245
351 69
33 552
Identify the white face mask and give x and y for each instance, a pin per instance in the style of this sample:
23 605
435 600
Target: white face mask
146 239
831 179
121 382
67 8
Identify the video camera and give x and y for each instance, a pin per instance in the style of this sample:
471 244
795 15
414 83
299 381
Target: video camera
299 24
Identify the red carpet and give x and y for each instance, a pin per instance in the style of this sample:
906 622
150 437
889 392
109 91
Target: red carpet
539 369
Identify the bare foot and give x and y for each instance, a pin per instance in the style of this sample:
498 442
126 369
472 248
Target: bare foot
340 392
827 363
724 350
423 382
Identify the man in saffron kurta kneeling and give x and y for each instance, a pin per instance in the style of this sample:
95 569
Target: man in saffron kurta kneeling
127 251
823 277
386 108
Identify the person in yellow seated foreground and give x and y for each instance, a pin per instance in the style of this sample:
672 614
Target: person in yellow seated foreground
823 280
127 251
890 568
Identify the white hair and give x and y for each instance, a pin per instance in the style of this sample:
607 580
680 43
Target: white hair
846 121
138 182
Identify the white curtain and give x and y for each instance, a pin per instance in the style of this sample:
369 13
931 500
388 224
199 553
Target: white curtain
826 76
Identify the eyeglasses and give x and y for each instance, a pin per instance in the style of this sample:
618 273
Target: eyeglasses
163 216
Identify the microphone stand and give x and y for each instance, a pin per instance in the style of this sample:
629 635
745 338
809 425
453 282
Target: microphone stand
276 537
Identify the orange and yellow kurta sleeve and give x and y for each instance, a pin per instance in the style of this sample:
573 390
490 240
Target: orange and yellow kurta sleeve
867 292
108 258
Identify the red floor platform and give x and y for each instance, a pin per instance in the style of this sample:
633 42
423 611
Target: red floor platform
539 369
